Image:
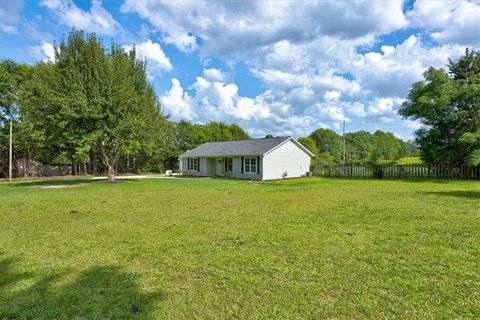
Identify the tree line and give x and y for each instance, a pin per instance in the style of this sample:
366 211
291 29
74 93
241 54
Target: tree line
94 108
360 147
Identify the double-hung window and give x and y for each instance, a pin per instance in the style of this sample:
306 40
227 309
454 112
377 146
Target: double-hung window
250 165
193 164
229 164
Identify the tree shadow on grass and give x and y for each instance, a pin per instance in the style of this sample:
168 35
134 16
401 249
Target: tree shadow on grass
99 292
459 194
66 182
52 182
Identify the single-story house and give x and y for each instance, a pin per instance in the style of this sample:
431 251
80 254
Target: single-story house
259 159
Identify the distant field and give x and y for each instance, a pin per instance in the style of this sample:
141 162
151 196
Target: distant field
404 160
205 248
409 160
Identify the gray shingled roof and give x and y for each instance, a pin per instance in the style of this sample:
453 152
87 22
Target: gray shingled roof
253 147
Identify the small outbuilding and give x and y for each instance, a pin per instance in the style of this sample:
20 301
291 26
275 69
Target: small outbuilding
259 159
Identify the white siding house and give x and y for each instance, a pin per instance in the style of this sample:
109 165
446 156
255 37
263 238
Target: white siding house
259 159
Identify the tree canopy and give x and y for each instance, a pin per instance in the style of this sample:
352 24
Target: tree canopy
12 78
92 98
361 147
328 142
447 103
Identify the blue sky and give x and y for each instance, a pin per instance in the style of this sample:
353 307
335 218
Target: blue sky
281 68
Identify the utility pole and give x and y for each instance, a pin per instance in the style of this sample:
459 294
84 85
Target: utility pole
10 155
343 142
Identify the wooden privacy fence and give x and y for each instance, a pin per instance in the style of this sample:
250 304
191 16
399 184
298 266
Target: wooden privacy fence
33 168
400 171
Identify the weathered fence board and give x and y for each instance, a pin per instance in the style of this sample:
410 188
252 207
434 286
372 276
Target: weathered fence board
32 168
400 171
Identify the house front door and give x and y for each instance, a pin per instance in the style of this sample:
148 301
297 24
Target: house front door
219 167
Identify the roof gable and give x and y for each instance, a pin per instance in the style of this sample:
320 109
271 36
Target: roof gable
295 142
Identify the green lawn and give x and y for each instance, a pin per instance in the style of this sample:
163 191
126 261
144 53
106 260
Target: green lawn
205 248
409 160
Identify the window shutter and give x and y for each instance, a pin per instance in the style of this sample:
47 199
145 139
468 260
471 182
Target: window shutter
258 165
188 163
242 164
198 164
226 166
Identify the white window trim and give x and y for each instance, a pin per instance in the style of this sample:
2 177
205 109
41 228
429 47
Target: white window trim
193 164
245 167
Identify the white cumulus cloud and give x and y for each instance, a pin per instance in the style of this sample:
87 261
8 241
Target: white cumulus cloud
44 52
157 61
451 22
320 62
265 113
392 71
214 74
177 103
412 124
225 27
97 19
332 95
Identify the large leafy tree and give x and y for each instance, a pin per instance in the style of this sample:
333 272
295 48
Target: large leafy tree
94 99
8 90
12 77
448 105
328 142
237 132
309 143
360 147
386 145
220 131
189 135
321 158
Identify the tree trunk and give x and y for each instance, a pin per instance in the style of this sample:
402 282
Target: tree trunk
110 160
93 162
110 173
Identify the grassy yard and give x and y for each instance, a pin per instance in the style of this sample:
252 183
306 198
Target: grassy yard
205 248
409 160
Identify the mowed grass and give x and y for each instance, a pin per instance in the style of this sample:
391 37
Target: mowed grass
204 248
409 160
